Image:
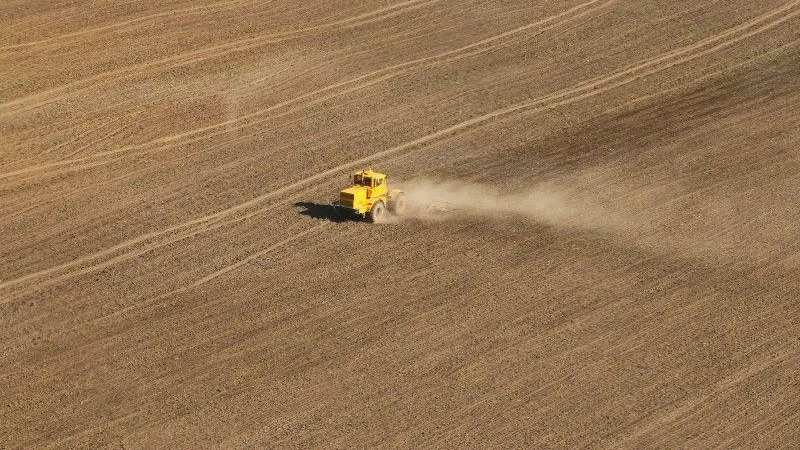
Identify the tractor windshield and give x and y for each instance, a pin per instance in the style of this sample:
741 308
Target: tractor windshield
357 179
367 181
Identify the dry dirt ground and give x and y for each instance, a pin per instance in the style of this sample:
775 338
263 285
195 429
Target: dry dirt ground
169 275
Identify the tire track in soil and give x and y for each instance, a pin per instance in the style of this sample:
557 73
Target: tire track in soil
664 419
754 367
217 273
582 90
592 83
39 99
759 426
313 98
208 225
408 145
125 25
139 305
246 351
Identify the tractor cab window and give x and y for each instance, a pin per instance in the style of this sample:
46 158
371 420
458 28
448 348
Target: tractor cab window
378 182
357 179
367 182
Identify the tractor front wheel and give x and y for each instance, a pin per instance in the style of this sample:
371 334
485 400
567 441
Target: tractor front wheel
377 213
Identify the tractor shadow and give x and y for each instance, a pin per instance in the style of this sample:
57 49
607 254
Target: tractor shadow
323 211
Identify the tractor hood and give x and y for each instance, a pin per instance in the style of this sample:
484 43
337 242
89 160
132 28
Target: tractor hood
356 191
353 197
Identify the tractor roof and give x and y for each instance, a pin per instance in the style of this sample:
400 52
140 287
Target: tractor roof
370 173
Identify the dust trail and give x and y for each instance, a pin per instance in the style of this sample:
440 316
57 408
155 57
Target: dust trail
740 222
545 203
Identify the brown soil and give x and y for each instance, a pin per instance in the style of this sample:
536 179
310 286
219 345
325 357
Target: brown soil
169 276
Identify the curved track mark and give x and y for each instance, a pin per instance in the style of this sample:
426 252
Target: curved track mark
664 419
219 272
312 98
39 99
126 24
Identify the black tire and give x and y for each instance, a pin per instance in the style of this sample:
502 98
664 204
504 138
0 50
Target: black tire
377 213
398 205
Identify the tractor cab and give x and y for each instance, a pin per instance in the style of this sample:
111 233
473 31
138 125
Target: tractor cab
374 182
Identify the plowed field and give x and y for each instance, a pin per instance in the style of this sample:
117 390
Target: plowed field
171 275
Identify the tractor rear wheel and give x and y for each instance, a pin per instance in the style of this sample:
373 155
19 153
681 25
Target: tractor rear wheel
377 213
398 206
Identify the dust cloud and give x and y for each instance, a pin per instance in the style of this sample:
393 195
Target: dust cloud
659 215
448 200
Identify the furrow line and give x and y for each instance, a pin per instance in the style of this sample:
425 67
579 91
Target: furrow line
318 96
39 99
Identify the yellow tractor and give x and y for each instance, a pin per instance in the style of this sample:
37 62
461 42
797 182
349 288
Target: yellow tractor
369 197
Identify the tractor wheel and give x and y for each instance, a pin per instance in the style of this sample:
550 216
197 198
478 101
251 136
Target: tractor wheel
377 213
398 206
